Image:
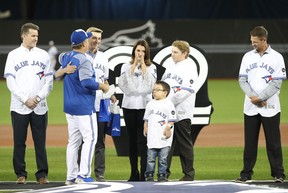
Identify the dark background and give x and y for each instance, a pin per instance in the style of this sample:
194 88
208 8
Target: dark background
219 27
145 9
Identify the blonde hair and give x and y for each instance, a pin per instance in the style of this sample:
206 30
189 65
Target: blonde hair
183 46
94 29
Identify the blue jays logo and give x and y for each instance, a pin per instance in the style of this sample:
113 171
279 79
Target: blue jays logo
162 122
41 74
267 78
176 88
102 78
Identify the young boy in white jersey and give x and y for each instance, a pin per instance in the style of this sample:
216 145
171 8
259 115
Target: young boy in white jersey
159 118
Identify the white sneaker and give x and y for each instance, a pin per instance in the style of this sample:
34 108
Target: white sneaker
70 182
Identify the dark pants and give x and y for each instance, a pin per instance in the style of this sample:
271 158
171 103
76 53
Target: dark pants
99 158
182 137
137 142
38 124
252 125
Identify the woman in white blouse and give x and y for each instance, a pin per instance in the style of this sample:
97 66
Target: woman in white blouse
136 81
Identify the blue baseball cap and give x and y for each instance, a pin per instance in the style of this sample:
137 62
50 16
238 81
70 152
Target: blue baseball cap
78 36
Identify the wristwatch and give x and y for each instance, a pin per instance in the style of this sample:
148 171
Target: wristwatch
38 99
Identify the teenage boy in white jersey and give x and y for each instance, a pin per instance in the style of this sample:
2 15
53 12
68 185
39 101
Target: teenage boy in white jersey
261 74
30 80
181 77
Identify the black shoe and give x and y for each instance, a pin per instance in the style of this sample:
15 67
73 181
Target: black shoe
149 178
243 179
279 180
162 178
186 178
100 179
134 177
168 173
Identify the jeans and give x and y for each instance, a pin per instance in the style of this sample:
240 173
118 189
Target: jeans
162 154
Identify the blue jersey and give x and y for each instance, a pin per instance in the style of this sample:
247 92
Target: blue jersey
79 97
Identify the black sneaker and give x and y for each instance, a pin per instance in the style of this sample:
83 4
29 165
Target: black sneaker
149 178
243 179
162 178
279 180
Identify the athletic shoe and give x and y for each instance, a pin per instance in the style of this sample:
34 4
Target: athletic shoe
70 182
162 178
149 178
100 179
279 180
243 179
82 180
21 180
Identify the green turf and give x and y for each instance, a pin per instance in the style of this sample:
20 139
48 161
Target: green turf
210 163
226 96
223 163
228 99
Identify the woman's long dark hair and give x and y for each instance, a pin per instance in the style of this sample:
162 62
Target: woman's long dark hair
147 52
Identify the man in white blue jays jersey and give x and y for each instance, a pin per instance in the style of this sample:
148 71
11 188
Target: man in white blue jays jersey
181 75
261 74
79 97
101 69
30 81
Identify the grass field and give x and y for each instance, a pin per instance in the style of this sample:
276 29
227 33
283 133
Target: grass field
226 96
210 162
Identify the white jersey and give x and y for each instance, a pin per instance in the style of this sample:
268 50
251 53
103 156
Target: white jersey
136 87
28 74
101 68
260 70
181 77
53 57
158 114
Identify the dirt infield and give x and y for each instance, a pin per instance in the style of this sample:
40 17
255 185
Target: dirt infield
214 135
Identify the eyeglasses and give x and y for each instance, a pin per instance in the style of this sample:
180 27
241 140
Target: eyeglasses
156 90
